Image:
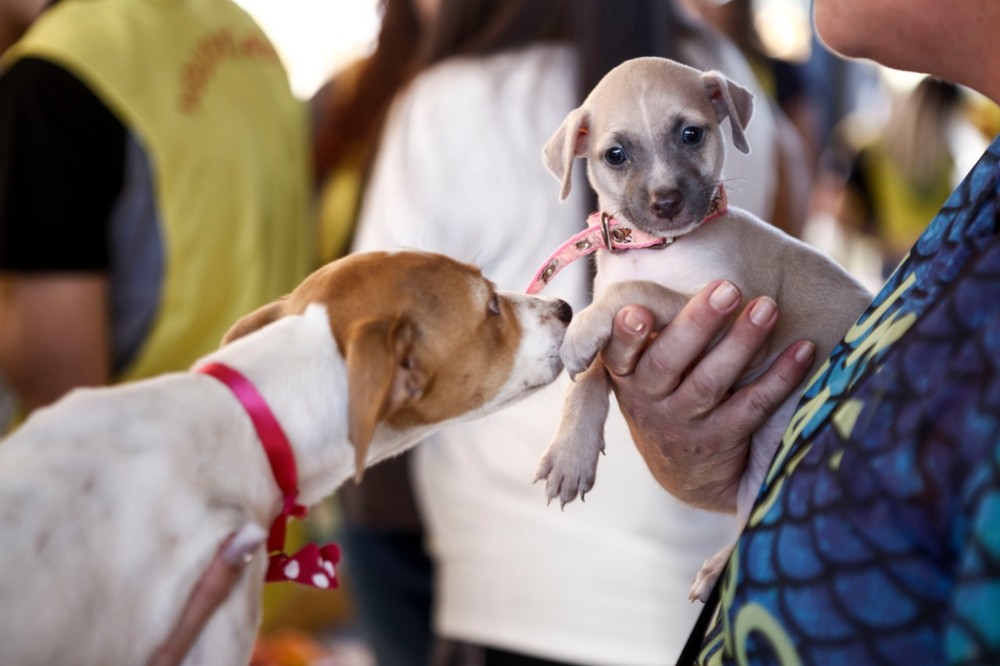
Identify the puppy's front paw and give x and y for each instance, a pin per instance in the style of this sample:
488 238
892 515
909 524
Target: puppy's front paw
587 335
709 574
569 466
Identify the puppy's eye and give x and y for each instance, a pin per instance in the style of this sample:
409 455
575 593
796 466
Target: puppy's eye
614 156
692 136
494 306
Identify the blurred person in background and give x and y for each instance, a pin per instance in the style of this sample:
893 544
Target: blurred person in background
457 168
138 221
899 179
153 189
15 18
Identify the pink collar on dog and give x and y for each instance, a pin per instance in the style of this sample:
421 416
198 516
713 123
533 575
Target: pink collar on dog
605 232
312 565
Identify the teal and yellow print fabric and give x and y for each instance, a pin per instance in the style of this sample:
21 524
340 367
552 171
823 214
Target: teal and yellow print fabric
876 536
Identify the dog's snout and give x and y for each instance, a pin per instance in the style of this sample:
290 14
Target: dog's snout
666 204
564 312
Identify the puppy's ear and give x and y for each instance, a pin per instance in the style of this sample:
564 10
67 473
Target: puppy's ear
382 377
569 142
257 319
732 100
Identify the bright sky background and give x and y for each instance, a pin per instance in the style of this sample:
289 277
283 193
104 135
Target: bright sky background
316 37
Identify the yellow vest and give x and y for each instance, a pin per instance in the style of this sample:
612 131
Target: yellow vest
902 208
202 89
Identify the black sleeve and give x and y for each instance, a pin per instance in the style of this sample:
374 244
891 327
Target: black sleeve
61 169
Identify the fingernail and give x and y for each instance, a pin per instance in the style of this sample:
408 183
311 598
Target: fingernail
633 323
762 311
805 353
724 296
241 548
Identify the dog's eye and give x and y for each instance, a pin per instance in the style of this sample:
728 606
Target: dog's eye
494 306
692 136
614 156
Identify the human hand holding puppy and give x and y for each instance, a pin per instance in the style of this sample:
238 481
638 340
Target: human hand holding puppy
692 429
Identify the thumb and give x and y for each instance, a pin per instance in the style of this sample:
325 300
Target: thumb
631 332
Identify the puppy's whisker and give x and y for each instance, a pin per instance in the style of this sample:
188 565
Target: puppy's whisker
621 210
728 182
614 207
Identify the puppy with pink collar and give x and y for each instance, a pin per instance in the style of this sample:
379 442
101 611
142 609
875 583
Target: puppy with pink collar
651 134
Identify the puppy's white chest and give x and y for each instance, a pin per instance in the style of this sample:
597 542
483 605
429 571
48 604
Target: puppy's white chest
683 266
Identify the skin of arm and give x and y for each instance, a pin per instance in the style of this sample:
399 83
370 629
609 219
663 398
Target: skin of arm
212 589
54 334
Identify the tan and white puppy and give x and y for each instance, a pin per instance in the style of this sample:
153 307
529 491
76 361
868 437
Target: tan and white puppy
113 500
650 132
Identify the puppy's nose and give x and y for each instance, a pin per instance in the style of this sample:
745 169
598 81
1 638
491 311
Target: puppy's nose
666 204
564 312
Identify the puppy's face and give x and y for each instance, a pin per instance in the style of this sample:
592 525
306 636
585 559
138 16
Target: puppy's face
426 339
650 132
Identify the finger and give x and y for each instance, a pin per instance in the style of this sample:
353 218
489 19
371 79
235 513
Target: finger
633 327
208 594
753 404
684 340
714 375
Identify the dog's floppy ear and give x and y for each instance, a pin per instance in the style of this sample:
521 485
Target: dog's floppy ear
257 319
732 100
382 376
568 143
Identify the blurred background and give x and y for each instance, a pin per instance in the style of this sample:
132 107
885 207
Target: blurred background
316 38
839 106
881 149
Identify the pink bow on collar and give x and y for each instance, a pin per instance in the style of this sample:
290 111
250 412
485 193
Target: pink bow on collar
313 565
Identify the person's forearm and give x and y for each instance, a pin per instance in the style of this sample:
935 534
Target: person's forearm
54 334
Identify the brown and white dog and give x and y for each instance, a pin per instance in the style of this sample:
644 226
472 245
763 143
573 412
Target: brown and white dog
650 132
113 500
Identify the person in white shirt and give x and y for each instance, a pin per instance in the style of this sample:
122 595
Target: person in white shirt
459 171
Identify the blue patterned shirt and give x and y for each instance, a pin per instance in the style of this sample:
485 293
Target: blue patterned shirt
876 535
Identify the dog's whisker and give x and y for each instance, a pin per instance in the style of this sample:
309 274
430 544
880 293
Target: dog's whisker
728 182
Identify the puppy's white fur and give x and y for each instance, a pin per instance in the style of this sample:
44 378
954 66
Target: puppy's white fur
650 132
113 500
